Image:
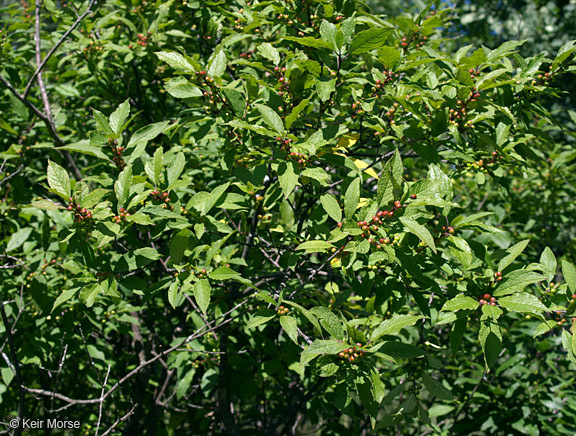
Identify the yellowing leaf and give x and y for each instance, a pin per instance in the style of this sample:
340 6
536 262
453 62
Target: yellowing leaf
361 164
348 141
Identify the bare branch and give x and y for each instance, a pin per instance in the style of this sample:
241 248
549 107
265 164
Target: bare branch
42 63
119 420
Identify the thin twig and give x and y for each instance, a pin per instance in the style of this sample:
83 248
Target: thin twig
102 402
119 420
58 44
15 365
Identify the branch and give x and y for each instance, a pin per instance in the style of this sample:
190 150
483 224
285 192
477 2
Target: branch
56 46
16 366
12 175
119 420
198 333
49 124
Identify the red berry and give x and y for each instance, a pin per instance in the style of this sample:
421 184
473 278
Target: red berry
486 296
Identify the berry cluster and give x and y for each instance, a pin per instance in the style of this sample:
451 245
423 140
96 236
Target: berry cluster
391 112
284 143
246 55
118 151
560 320
552 288
238 21
283 310
417 38
353 353
80 214
122 215
487 299
357 108
162 197
284 84
448 230
210 93
481 164
542 79
142 39
26 7
459 114
93 47
474 72
298 157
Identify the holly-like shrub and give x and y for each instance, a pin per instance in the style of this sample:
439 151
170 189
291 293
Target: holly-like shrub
282 217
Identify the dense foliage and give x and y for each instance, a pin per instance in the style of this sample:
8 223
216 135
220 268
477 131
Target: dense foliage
284 217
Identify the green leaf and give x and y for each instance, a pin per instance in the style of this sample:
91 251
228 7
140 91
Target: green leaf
180 87
175 60
352 198
544 327
328 34
175 168
158 164
102 122
460 302
223 273
308 41
394 325
63 297
329 321
569 273
5 126
89 294
271 118
202 292
184 383
505 49
491 340
513 253
377 386
399 350
118 117
287 177
84 148
217 64
320 346
260 317
331 206
175 297
122 186
516 281
389 56
325 87
290 326
290 119
58 180
178 245
236 100
18 238
314 246
522 302
390 182
436 388
147 133
318 174
368 40
419 230
269 52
